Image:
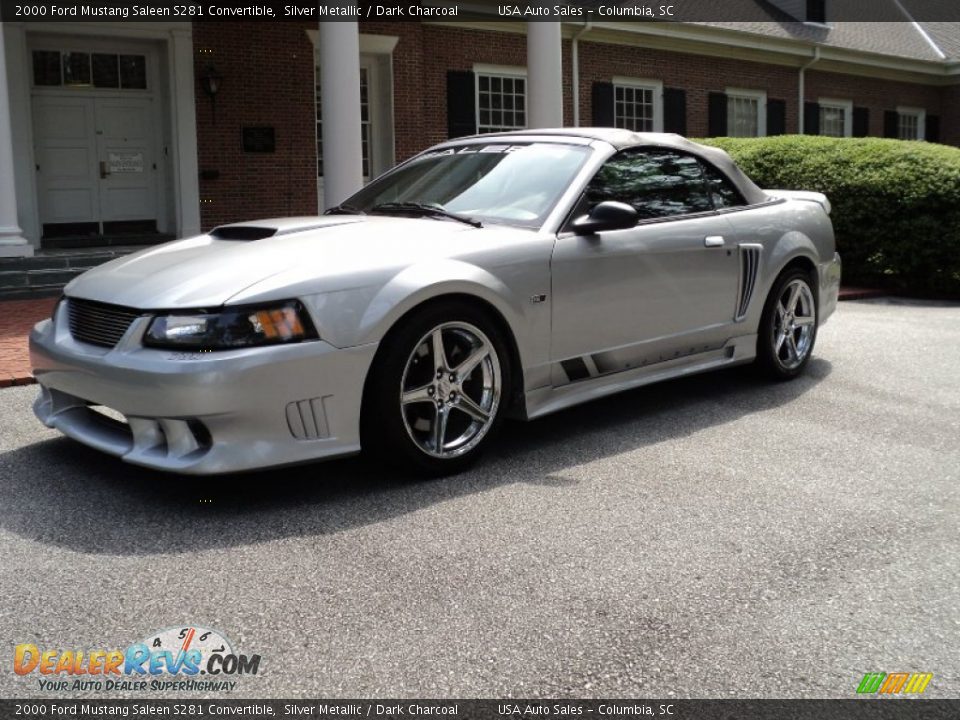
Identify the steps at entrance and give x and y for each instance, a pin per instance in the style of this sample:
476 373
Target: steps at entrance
46 273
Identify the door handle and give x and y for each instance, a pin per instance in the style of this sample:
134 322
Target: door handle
713 241
103 169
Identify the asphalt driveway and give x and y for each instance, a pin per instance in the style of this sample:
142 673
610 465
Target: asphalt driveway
714 536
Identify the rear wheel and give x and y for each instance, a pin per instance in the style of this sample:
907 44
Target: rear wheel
436 394
788 327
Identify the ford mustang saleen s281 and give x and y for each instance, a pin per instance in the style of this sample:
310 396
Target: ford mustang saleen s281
515 273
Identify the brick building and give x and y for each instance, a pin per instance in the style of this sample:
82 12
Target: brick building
159 129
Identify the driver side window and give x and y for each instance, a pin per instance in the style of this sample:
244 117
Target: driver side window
657 182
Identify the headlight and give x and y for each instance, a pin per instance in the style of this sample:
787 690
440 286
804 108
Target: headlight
234 327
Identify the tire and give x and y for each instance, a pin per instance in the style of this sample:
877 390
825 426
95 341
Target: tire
783 351
433 417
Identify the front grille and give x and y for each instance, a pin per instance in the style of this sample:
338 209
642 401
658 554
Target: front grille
99 323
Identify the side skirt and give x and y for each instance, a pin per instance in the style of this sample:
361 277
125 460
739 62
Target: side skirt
546 400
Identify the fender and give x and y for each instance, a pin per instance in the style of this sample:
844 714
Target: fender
384 305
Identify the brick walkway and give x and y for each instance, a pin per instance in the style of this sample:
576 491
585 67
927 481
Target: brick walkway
18 316
16 319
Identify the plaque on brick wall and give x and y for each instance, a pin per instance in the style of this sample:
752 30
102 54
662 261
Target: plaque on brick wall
259 140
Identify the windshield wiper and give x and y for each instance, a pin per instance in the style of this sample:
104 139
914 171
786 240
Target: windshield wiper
423 209
344 209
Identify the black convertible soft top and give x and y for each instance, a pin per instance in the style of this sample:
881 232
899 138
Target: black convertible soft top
622 139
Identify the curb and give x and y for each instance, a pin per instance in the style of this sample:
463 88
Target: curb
860 294
11 380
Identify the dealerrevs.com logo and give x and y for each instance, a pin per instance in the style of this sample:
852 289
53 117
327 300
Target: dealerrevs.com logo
175 659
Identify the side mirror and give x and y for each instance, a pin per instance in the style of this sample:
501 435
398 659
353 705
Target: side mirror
608 215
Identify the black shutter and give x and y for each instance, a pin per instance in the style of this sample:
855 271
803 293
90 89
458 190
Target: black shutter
603 104
811 118
861 122
931 133
716 115
891 124
817 11
461 103
776 117
675 111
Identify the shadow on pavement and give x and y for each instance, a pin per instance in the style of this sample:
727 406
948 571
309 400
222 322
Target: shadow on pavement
61 493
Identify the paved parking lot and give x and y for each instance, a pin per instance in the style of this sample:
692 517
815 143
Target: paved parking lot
715 536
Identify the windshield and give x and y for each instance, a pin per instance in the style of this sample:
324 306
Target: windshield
510 183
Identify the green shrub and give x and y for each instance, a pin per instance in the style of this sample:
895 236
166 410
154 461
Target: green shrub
896 204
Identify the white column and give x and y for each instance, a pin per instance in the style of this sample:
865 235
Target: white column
544 75
186 165
12 242
340 96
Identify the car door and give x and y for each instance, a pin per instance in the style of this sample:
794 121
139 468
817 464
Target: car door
663 289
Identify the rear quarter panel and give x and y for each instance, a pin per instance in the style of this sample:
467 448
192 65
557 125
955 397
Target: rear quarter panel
787 230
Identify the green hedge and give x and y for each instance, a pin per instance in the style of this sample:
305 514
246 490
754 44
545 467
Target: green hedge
896 204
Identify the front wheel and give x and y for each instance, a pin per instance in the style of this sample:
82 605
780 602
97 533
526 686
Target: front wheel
788 327
436 395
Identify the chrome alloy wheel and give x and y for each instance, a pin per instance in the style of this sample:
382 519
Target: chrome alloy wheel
450 390
794 324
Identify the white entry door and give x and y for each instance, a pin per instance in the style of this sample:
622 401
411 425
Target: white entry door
126 162
96 164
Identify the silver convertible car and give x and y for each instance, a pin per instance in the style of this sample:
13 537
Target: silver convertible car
512 274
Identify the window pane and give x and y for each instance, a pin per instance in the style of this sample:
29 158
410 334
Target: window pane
909 127
633 109
722 191
105 71
133 72
500 103
76 69
743 116
832 121
46 67
658 183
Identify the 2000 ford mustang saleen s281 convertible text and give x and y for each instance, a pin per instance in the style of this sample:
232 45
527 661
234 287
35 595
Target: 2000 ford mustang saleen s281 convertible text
515 273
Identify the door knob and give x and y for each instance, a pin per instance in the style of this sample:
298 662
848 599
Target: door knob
103 169
713 241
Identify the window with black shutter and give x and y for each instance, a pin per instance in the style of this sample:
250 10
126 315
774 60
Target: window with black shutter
717 114
861 122
461 103
776 117
675 111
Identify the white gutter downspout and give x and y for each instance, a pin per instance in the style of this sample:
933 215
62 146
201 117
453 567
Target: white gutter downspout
575 67
803 99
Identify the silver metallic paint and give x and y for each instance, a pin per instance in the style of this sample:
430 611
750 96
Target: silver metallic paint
643 294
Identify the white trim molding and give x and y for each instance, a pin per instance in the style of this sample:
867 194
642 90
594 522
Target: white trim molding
921 116
655 86
835 104
760 96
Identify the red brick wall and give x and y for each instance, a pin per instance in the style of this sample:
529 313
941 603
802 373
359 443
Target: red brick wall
698 75
267 71
268 79
877 95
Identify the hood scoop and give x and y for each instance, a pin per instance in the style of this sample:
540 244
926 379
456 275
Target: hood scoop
264 229
242 232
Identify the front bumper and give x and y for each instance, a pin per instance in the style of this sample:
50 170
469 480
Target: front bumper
201 413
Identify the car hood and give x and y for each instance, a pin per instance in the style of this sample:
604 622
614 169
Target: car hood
208 270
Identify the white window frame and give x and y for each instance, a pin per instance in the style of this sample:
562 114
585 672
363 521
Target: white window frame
920 114
502 71
846 106
655 86
760 96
